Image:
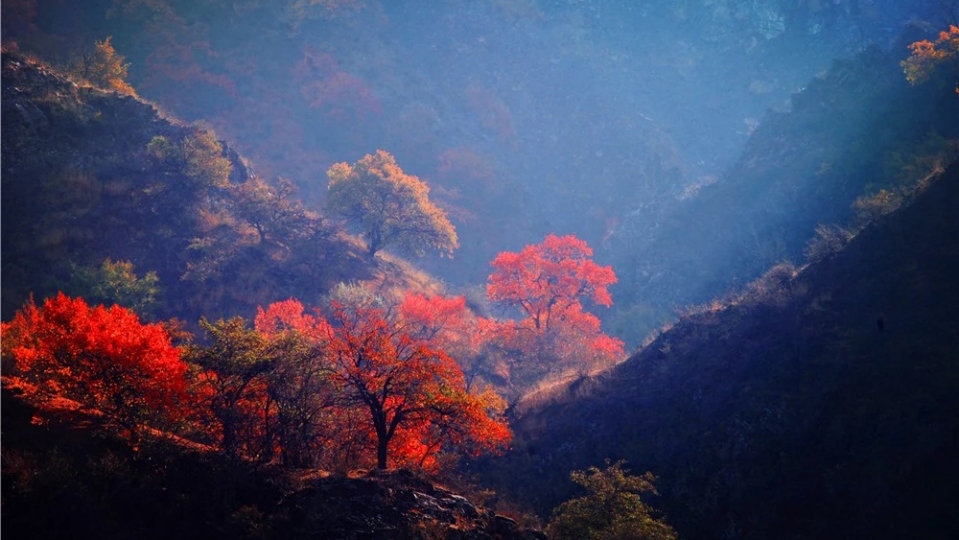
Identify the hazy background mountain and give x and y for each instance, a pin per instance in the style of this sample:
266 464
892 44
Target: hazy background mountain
526 117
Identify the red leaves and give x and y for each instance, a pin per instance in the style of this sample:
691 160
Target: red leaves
927 56
367 381
554 275
103 358
548 282
427 317
289 315
415 395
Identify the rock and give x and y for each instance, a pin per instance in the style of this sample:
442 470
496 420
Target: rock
391 504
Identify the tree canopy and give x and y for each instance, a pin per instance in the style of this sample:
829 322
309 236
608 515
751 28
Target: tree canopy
550 277
928 56
103 66
103 358
390 206
415 396
549 282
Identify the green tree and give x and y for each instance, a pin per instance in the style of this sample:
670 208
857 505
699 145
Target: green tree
116 283
236 367
196 162
611 510
390 206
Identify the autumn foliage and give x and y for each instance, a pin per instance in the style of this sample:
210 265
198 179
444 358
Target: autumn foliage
366 390
415 395
389 206
548 284
928 56
364 383
103 66
103 358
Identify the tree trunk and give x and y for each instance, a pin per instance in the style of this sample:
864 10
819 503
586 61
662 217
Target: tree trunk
376 241
381 446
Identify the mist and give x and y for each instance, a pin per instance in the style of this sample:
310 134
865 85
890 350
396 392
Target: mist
526 118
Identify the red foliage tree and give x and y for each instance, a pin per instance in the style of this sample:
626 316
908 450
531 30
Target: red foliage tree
413 394
549 278
435 317
447 324
103 358
548 282
291 315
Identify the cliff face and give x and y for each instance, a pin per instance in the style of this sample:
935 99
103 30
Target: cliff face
819 406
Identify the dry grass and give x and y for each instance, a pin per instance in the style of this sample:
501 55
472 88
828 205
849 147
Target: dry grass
393 277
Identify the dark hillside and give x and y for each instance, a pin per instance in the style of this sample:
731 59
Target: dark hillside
824 408
63 478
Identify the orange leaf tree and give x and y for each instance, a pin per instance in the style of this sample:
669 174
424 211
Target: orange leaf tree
448 324
390 206
103 358
412 394
928 56
548 283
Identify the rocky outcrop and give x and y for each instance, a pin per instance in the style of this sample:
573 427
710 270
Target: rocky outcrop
392 505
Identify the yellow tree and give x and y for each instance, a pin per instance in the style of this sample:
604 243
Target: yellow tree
390 206
103 66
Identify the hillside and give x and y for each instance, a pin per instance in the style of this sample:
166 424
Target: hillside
855 129
65 478
821 407
90 174
527 117
818 401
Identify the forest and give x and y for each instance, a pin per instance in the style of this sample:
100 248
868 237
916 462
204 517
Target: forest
496 269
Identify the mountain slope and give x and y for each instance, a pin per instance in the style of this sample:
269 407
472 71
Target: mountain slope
90 174
824 407
855 129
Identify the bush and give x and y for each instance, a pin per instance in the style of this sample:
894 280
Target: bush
611 510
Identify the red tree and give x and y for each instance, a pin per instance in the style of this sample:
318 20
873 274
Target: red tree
103 358
548 282
447 324
291 315
549 278
413 394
